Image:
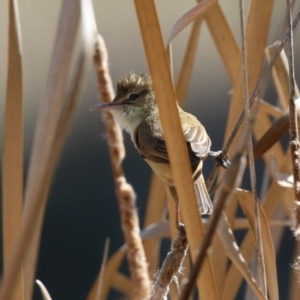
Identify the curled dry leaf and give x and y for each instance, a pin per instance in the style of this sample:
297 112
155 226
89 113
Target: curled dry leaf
156 230
44 291
233 252
190 16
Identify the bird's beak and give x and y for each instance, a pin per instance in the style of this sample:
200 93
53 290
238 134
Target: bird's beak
106 106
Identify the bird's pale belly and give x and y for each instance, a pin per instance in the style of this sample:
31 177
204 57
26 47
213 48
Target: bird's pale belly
163 171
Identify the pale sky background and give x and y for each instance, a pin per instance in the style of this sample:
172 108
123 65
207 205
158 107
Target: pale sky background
82 204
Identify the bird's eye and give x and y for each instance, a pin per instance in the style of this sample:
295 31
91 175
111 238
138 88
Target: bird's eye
133 97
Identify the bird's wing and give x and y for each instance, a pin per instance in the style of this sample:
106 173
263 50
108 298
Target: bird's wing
151 146
195 134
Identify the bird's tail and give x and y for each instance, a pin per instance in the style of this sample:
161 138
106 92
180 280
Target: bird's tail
205 204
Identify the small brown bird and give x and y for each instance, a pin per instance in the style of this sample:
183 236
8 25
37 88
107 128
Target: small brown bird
135 109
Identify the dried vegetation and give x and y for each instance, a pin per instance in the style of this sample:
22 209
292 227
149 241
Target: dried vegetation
216 265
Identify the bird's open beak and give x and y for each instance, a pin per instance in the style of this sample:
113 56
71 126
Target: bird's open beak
106 106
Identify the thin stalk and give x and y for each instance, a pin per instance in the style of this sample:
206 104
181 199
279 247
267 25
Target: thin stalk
101 274
261 262
12 157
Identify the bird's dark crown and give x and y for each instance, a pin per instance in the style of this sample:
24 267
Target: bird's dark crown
133 82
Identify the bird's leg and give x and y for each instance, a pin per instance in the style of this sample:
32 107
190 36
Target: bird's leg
177 215
221 158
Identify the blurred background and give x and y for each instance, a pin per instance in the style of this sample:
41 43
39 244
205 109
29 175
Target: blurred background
82 208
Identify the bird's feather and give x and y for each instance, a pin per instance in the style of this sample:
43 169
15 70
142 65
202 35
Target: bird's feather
195 134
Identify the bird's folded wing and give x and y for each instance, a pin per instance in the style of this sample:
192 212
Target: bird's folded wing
195 134
150 146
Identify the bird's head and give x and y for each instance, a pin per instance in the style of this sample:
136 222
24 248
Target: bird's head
134 100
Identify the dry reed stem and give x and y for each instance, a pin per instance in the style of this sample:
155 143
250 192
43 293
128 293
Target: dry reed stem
280 74
273 134
233 67
247 202
271 201
64 125
257 30
224 39
243 223
12 157
123 284
171 267
125 194
41 165
261 125
176 146
260 82
110 270
188 62
294 135
261 263
102 268
232 180
154 213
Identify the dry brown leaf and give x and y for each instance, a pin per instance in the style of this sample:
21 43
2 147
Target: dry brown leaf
247 203
233 252
156 230
189 17
274 195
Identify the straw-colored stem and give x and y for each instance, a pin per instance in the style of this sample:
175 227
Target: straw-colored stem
125 194
101 273
12 201
249 120
155 211
188 62
232 180
41 164
176 145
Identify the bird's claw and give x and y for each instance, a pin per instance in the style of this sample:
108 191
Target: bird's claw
221 158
